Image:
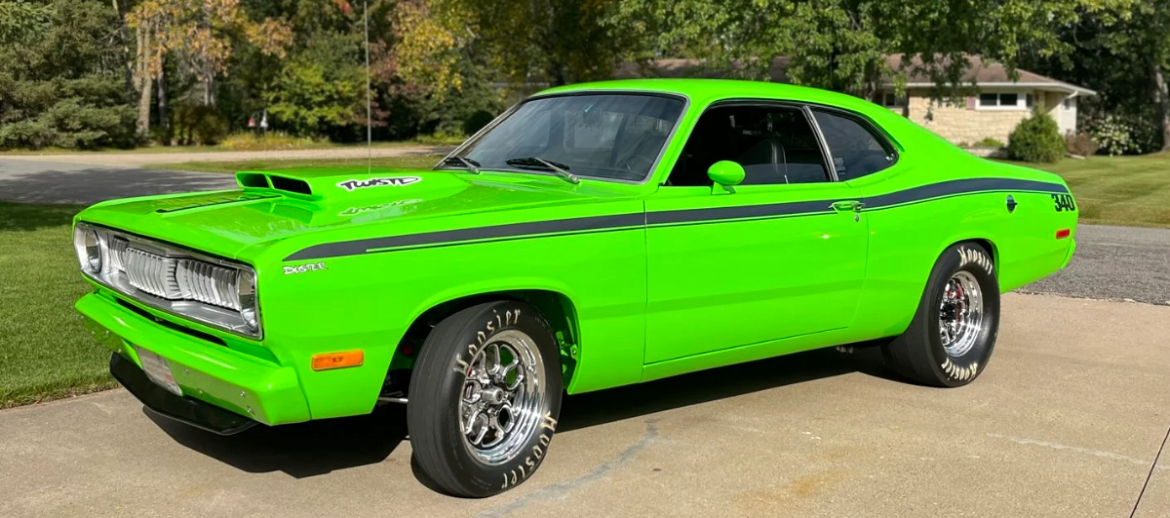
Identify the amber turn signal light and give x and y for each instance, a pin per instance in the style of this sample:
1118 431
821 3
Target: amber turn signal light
322 362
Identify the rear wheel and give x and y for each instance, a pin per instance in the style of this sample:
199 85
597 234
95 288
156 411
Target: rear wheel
949 342
484 398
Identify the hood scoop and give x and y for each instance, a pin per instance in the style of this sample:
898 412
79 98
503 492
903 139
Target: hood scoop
342 184
275 182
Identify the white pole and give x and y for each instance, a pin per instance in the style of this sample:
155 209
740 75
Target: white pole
369 119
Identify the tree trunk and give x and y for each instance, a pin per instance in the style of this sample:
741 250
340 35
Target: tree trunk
127 63
1163 98
144 82
163 122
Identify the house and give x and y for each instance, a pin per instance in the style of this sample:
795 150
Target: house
999 106
991 114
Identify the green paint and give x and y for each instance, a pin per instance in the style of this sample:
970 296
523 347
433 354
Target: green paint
636 301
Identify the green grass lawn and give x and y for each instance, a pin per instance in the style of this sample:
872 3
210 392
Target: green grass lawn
45 351
421 161
1126 190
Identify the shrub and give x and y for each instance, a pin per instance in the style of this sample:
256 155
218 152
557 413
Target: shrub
1123 134
477 121
84 113
272 140
198 125
1036 139
1081 144
989 142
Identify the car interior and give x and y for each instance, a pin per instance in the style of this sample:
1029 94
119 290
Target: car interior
774 144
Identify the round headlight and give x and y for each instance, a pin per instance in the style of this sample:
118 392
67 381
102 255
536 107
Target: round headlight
246 283
89 249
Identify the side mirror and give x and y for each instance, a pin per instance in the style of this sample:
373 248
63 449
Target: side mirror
726 174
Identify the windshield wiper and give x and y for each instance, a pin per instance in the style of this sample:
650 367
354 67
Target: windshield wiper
560 169
467 163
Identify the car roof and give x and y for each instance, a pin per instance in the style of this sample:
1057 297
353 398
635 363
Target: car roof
704 91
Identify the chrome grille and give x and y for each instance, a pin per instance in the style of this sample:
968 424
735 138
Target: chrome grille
207 283
183 282
117 249
151 273
177 278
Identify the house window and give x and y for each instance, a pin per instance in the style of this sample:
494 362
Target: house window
1005 101
891 100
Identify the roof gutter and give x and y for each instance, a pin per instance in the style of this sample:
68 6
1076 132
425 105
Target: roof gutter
1055 86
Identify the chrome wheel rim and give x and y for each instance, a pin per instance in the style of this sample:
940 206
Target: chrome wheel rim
960 317
502 400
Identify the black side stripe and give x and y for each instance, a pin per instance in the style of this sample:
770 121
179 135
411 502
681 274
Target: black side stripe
363 246
965 186
741 212
670 217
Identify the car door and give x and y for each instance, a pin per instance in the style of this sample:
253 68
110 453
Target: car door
783 255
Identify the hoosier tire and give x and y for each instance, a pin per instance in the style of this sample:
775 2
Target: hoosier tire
950 340
484 398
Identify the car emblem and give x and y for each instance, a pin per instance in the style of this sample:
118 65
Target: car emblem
390 181
308 267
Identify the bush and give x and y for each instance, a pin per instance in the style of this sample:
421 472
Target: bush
80 113
272 140
1081 144
477 121
1036 139
1123 134
198 125
989 142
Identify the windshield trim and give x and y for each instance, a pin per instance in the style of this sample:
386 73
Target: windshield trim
602 91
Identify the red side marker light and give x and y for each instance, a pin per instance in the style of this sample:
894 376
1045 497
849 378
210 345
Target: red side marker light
1063 233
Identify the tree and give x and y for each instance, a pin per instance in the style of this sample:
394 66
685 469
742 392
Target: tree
1139 47
554 41
200 34
59 76
843 44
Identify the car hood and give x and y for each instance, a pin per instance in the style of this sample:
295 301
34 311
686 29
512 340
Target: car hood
306 204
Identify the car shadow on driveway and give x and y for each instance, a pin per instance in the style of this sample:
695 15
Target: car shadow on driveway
319 447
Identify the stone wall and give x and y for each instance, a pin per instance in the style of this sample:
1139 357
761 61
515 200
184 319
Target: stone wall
959 124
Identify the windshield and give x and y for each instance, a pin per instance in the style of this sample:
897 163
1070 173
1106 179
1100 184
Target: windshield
610 136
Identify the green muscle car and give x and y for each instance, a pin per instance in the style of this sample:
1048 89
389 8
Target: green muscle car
592 236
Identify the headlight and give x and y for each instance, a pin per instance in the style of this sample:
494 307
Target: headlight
190 284
89 248
249 308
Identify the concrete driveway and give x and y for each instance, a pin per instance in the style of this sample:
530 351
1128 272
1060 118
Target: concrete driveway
1065 422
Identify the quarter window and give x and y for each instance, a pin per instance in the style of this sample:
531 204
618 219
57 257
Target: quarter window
855 149
774 144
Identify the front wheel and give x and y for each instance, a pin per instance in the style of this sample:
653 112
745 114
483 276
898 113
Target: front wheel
484 398
949 342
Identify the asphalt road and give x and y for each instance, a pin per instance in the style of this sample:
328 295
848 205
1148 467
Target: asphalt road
1120 263
1064 422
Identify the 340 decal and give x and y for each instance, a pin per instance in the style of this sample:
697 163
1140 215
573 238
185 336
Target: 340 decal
1064 202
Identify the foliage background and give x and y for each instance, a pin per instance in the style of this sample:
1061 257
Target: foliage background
119 73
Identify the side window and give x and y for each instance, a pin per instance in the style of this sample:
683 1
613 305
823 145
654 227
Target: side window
774 144
855 149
